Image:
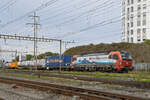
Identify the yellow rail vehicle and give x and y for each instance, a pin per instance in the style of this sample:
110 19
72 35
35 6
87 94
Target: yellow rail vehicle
13 65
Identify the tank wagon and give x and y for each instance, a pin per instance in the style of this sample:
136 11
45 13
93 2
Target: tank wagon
53 62
109 62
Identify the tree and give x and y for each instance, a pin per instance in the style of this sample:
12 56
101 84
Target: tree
147 42
42 56
16 59
29 57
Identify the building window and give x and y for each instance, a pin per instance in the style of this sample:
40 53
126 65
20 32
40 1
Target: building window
144 30
139 7
132 1
128 10
128 33
128 25
132 16
138 34
139 15
128 39
144 33
132 39
138 23
128 2
132 9
138 31
131 32
139 40
144 18
139 0
144 6
144 22
132 24
144 15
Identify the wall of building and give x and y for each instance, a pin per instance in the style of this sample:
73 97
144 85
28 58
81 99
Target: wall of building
135 20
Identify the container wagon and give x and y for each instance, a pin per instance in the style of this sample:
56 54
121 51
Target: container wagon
53 62
29 64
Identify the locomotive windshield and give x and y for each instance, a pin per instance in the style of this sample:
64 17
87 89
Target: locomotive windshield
126 56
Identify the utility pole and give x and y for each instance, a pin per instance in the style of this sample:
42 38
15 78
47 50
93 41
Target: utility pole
16 55
35 25
60 56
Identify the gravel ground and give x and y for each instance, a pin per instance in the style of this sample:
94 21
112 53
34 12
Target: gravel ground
37 95
7 92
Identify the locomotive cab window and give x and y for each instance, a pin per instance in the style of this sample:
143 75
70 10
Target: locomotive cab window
110 57
115 57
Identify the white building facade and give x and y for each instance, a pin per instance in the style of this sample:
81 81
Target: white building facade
135 20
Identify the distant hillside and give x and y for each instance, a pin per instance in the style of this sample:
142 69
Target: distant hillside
139 52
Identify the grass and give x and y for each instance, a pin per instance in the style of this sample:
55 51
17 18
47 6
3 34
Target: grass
66 81
77 82
132 76
32 76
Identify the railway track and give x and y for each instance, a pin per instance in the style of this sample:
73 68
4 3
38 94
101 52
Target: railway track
85 94
145 85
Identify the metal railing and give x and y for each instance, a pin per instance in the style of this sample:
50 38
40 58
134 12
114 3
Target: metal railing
142 67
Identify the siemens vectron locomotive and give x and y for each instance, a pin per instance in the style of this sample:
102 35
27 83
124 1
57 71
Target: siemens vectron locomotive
110 62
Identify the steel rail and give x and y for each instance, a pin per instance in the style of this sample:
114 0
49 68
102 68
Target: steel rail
70 91
55 90
145 85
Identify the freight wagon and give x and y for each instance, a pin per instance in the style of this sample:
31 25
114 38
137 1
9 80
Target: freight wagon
53 62
114 61
28 64
108 62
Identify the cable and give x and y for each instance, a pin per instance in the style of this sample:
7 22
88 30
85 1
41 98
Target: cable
84 13
71 11
64 8
75 18
37 9
91 10
7 5
103 23
97 25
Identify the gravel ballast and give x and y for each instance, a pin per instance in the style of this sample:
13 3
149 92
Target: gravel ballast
38 95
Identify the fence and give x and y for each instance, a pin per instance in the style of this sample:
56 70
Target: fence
142 67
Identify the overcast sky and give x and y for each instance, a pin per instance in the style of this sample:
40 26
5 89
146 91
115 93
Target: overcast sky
84 21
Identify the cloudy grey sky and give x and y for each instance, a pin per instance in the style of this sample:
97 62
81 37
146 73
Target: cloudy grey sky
84 21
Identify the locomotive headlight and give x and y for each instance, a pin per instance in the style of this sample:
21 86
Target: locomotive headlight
120 63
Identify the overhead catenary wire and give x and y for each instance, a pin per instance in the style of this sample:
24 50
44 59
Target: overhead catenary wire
99 24
71 18
64 7
82 14
19 25
37 9
72 10
7 5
